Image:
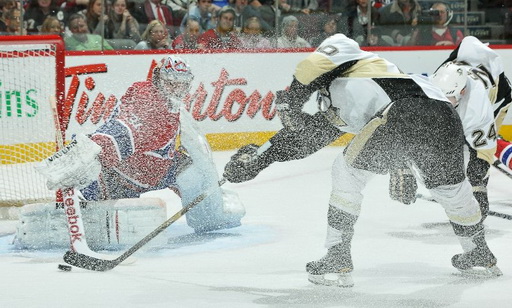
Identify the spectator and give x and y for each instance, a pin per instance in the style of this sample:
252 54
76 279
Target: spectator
150 10
298 6
238 6
223 36
506 20
37 12
355 22
121 23
81 38
376 38
440 34
179 9
188 39
154 37
74 6
400 19
268 13
13 22
380 3
244 11
289 37
5 5
220 3
51 25
251 36
329 26
201 12
96 18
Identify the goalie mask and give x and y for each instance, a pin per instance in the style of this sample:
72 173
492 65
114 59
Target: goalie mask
451 78
174 77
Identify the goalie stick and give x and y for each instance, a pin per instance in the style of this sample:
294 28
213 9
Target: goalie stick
93 263
490 213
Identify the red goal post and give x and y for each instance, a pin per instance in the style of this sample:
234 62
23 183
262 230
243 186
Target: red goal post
31 77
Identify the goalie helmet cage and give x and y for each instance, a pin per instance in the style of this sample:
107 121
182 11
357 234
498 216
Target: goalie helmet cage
31 77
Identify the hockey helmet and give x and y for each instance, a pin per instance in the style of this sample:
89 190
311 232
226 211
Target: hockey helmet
174 75
173 68
451 78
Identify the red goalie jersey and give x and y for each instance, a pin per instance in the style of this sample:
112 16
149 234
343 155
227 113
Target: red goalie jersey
138 143
504 152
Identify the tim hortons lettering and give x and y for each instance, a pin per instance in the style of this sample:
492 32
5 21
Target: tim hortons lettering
234 105
18 103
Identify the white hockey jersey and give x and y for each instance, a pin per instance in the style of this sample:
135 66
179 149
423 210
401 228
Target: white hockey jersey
476 112
488 95
359 83
478 55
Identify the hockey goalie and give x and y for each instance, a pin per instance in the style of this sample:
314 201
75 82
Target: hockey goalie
150 143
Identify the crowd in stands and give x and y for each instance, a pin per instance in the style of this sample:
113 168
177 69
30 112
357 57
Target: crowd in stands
239 24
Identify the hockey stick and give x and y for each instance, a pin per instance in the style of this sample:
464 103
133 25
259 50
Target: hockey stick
500 215
97 264
490 213
501 167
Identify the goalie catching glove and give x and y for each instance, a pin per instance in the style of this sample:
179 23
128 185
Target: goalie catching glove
245 165
402 185
76 165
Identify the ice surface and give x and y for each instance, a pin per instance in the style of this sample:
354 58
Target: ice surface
401 254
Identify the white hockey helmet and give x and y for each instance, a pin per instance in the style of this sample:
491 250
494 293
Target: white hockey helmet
451 78
175 76
174 68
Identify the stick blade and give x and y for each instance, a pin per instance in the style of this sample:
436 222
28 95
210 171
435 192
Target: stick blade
87 262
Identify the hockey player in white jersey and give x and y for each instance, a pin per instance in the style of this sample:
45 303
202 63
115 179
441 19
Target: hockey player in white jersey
473 79
400 121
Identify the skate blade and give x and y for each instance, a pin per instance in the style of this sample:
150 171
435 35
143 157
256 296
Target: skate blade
343 280
481 272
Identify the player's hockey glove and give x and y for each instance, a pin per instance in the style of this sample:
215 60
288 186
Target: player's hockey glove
245 165
291 117
76 165
402 185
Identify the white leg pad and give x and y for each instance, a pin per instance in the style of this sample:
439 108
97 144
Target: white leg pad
109 225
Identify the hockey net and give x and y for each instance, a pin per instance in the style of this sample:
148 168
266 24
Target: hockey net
31 76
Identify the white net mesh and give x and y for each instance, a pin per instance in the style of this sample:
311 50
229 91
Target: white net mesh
27 129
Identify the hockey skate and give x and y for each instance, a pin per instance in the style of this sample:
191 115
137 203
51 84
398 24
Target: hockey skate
477 262
333 269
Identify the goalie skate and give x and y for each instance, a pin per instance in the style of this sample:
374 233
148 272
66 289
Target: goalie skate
333 269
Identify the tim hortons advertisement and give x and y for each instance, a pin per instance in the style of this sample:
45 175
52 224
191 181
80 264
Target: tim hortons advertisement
232 94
